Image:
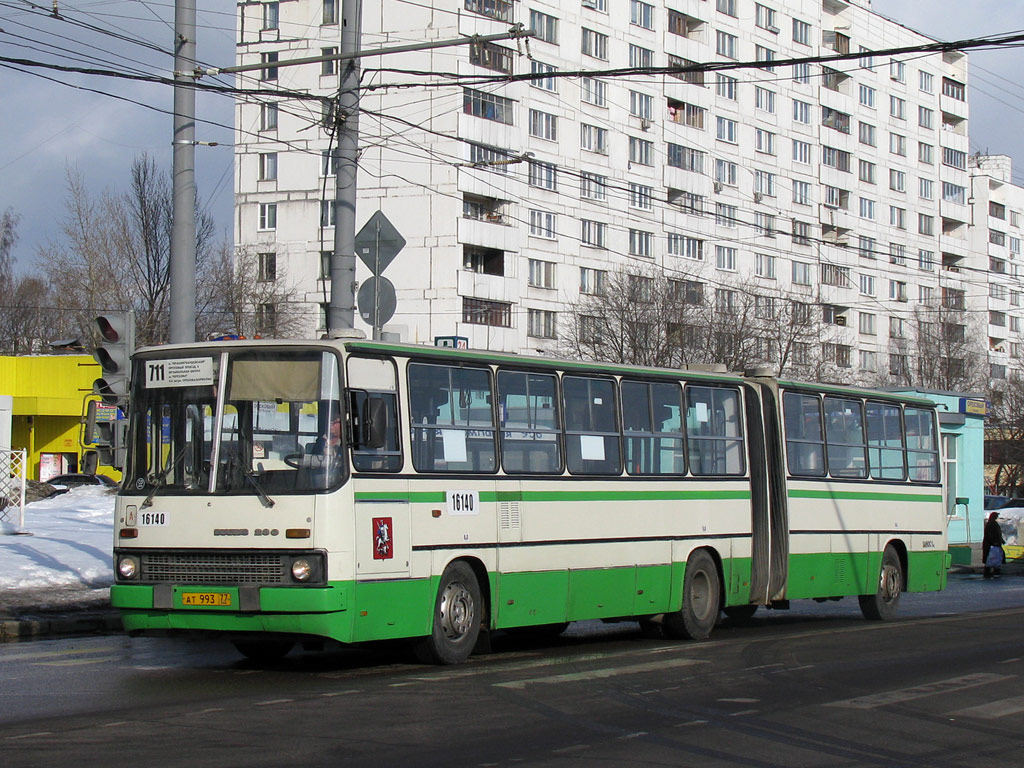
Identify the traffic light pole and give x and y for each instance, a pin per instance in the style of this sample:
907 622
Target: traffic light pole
183 178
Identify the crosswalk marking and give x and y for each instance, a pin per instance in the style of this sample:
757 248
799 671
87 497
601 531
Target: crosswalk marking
917 692
598 674
993 709
15 657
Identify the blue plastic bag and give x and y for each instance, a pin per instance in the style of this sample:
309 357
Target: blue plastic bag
995 557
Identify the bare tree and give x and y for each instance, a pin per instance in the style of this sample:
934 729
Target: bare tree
1004 436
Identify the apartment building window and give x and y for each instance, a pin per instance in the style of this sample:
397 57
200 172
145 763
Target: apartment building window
593 281
329 67
802 192
1014 245
764 223
897 290
268 166
267 216
764 54
998 292
764 183
728 7
802 73
764 266
495 9
836 197
543 125
593 138
641 196
897 71
725 172
954 89
726 301
926 189
486 312
596 5
836 158
954 158
925 260
266 319
690 202
867 208
897 328
271 15
687 114
594 91
725 87
687 291
897 107
801 152
765 18
640 57
995 237
953 298
483 261
801 273
801 32
542 224
491 56
898 144
867 287
641 151
683 25
868 360
544 26
925 224
541 273
726 215
835 275
726 130
641 243
593 186
267 267
866 320
925 293
898 253
954 193
641 105
997 210
328 213
725 258
764 99
330 12
685 246
695 77
834 119
686 158
487 105
926 117
491 158
925 153
268 116
594 44
641 14
541 324
801 112
867 96
543 83
867 246
897 217
269 71
836 354
543 175
866 171
594 233
725 44
926 82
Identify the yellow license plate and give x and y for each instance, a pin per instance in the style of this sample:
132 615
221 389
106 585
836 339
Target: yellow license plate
206 598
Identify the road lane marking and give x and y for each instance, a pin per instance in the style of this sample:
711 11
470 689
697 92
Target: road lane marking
30 735
74 662
993 709
917 692
601 673
273 701
740 701
53 654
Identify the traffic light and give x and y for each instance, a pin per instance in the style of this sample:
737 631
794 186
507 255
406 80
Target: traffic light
113 352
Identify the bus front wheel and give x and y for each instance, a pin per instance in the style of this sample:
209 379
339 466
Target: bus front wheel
701 589
457 614
883 605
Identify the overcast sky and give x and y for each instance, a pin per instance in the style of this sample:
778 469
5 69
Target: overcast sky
48 127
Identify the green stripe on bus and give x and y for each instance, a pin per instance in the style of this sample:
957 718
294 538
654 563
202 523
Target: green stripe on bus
425 497
798 493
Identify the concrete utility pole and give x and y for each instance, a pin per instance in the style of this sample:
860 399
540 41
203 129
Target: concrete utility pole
341 311
183 179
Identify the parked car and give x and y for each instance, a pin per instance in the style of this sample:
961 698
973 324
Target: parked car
64 483
1002 502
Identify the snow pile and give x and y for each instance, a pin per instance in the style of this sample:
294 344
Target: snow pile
67 559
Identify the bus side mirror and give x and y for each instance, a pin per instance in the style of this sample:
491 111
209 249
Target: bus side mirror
373 430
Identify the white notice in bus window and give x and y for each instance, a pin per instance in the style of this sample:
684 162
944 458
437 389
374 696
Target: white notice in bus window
179 372
591 447
454 441
702 412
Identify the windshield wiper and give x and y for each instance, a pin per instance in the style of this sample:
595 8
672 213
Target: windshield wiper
265 500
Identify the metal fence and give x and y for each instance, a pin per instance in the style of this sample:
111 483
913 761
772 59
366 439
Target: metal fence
13 466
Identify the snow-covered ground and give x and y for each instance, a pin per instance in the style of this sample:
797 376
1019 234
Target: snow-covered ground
67 560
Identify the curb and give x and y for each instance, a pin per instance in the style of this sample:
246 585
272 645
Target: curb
15 629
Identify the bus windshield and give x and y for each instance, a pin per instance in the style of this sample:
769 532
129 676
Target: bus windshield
248 421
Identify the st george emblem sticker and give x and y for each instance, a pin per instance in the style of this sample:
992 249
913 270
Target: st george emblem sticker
383 545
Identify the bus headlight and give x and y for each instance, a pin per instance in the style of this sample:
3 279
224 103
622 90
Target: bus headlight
302 569
128 567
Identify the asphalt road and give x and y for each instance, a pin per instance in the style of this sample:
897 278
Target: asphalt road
815 686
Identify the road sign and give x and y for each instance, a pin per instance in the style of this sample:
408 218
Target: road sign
379 292
377 243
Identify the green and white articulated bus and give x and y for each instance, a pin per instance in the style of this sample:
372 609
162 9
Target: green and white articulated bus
349 490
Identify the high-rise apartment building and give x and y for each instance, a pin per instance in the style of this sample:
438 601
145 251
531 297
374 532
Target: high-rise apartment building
843 185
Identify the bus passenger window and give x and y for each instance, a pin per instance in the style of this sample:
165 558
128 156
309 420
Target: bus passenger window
922 448
844 436
714 432
388 457
530 436
452 419
591 434
652 428
885 442
805 444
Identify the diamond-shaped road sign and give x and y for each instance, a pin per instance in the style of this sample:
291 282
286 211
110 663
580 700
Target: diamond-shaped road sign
378 242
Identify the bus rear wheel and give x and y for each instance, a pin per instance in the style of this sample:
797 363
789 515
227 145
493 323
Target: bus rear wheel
457 614
740 613
883 605
701 596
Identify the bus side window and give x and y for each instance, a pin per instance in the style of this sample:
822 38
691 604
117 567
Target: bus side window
387 457
885 442
922 447
652 428
591 433
714 431
530 435
844 436
805 443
